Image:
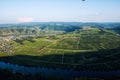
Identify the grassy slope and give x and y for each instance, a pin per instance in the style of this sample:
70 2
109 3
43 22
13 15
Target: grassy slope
69 49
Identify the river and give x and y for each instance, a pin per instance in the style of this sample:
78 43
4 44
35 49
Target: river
57 72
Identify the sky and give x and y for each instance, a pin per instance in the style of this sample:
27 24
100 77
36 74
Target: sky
17 11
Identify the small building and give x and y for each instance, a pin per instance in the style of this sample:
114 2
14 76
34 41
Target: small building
86 28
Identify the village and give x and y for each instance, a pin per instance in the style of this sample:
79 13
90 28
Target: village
5 47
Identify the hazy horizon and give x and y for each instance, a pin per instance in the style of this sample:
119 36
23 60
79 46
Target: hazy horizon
19 11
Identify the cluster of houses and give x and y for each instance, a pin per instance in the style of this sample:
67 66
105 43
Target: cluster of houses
6 48
7 38
88 28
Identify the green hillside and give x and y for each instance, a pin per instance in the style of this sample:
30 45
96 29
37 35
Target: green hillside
81 49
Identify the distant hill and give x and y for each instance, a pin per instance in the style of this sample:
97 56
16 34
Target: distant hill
63 26
104 24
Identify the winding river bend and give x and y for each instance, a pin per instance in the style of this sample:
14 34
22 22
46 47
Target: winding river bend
57 72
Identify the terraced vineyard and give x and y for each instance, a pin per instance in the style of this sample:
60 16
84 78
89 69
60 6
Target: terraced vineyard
85 50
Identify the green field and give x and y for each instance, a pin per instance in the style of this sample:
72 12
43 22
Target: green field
83 49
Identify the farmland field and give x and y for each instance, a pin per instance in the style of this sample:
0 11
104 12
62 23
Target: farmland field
86 49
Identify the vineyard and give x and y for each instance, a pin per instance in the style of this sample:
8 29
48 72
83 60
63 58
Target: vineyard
87 49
